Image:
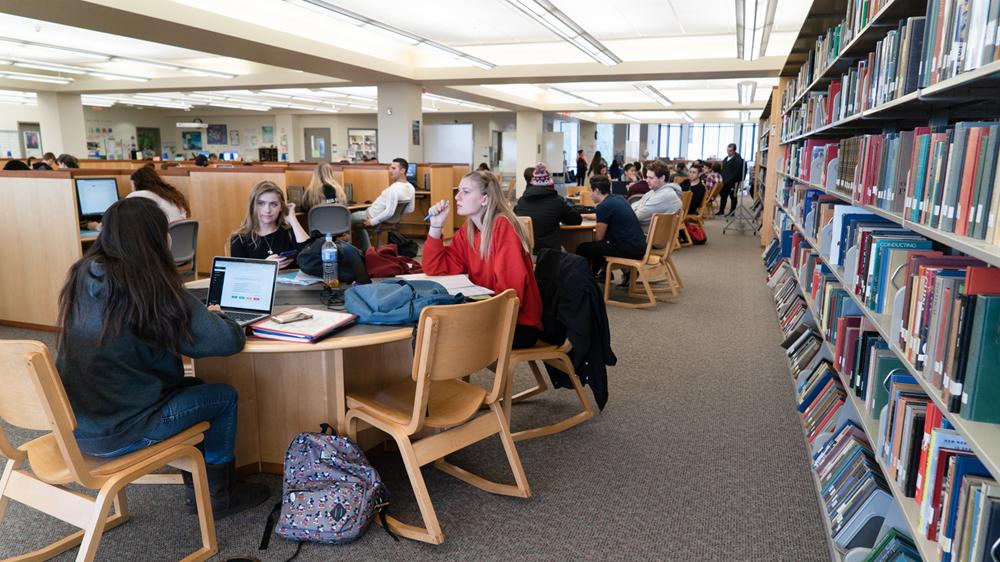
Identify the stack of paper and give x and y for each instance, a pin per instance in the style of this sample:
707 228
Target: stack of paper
322 323
455 284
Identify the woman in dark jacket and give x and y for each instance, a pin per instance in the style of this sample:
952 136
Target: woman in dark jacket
547 210
127 321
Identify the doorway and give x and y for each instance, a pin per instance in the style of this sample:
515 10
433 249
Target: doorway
317 144
29 136
147 140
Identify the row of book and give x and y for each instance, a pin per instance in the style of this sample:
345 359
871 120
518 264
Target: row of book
945 305
951 38
828 45
926 458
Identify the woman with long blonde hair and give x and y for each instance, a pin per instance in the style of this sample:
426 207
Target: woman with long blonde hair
323 188
492 248
270 229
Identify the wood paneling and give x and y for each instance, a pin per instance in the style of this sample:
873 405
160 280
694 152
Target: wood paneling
39 224
219 199
369 181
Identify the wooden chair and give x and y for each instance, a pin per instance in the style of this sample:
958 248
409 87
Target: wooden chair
511 190
558 357
708 206
529 228
452 342
33 398
683 238
656 261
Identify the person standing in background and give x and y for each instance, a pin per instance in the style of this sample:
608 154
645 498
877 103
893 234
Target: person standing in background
581 167
733 170
596 164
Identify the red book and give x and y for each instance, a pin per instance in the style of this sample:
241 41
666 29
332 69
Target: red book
931 422
981 280
831 95
968 179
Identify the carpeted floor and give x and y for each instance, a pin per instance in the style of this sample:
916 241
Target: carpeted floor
697 456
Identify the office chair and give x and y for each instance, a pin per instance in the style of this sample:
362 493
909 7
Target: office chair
390 224
184 244
330 218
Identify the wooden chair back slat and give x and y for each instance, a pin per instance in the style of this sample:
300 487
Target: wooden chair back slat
529 229
662 232
20 403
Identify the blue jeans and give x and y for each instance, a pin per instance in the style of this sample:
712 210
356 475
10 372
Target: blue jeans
214 403
360 234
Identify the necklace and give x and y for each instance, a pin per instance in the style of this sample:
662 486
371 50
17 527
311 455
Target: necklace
270 250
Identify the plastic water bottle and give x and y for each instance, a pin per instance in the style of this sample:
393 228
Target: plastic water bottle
329 256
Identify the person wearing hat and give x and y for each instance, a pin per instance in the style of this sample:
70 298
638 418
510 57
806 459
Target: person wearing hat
546 208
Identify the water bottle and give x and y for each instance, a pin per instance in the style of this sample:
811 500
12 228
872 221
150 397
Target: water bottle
329 256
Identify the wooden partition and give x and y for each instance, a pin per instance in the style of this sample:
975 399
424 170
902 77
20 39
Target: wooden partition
219 199
179 178
96 164
299 174
369 180
39 223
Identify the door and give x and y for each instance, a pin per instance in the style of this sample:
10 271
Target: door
148 141
317 143
30 138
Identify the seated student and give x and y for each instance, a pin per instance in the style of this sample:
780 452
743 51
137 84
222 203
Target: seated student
269 229
492 248
696 185
201 161
661 198
483 167
127 321
49 160
546 208
147 183
618 232
323 189
528 174
634 182
15 166
399 191
67 161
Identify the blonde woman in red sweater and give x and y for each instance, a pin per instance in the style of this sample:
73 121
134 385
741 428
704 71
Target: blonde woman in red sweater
492 248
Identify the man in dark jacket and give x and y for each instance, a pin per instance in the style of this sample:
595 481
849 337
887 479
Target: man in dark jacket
732 174
547 210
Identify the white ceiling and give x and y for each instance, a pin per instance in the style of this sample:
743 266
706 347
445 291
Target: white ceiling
274 44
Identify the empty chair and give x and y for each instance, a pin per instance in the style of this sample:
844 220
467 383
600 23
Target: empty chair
452 342
184 244
656 261
330 218
390 224
33 398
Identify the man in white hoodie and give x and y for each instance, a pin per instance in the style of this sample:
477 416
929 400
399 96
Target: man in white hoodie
400 191
661 197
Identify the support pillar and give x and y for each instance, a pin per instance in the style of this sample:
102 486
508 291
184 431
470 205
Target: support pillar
399 106
529 144
286 138
62 124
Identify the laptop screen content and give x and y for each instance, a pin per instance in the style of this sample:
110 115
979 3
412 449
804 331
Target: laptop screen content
242 285
95 195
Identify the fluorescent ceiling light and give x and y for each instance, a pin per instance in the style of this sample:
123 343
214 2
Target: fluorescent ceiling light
359 20
582 99
27 77
745 91
456 101
629 117
200 96
754 20
687 117
546 14
146 62
49 66
203 72
111 76
744 116
18 43
655 94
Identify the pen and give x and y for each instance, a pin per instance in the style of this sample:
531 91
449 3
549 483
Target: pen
428 217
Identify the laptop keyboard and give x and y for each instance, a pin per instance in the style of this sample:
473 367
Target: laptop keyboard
243 316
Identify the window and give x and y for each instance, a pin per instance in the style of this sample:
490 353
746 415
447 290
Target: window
747 145
696 134
670 141
709 140
571 139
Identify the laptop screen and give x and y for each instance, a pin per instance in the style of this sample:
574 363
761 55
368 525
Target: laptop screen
95 195
243 284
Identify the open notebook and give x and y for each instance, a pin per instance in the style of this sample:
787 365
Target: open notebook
455 284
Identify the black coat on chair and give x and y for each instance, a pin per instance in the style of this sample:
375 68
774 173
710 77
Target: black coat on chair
573 308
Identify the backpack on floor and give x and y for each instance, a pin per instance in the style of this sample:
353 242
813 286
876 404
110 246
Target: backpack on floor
330 493
696 232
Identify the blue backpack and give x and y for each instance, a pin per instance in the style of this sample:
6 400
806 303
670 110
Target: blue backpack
395 301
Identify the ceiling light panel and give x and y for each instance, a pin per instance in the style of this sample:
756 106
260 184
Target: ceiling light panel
546 14
29 77
654 94
745 92
580 99
754 21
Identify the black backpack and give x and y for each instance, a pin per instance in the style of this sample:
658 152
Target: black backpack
350 262
404 246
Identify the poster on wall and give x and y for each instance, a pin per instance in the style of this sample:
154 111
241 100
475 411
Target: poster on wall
32 140
217 134
234 137
267 134
191 140
9 147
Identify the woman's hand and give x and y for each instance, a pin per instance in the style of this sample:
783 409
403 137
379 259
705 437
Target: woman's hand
214 308
290 213
439 213
282 262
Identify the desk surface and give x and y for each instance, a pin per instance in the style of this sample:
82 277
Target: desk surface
585 225
291 296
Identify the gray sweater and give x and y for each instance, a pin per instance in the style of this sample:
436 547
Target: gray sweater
117 389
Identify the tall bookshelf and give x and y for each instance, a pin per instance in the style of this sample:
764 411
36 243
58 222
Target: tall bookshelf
968 94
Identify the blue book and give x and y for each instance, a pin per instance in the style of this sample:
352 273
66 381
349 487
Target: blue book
965 465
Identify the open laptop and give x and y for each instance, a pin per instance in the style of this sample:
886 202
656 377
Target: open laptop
244 288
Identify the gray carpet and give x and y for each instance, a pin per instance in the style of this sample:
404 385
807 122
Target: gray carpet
697 456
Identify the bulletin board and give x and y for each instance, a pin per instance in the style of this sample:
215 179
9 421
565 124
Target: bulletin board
9 146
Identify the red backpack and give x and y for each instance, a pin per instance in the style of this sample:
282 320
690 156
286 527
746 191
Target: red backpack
384 261
696 232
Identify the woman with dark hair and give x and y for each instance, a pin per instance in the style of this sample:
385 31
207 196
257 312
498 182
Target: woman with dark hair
270 229
67 161
127 320
616 169
15 166
147 183
596 164
581 167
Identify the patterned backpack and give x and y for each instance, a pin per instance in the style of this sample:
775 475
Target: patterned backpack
330 494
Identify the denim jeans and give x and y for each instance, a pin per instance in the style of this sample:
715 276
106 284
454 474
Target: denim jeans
360 234
214 403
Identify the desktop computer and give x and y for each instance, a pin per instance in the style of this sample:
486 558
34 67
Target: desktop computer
411 173
94 196
349 190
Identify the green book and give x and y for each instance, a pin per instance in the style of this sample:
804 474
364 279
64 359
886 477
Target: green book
981 389
977 191
884 365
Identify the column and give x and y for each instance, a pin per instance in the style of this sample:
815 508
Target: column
286 138
618 143
588 139
529 144
60 118
399 107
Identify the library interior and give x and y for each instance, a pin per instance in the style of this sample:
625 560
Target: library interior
478 280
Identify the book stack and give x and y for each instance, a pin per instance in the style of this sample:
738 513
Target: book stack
321 324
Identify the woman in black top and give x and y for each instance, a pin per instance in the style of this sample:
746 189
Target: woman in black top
323 188
269 229
694 184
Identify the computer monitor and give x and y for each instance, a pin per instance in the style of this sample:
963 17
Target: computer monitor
95 195
230 156
349 190
411 173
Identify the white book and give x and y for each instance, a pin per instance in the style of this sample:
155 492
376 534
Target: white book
454 284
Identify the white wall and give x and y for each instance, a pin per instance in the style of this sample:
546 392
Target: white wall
483 124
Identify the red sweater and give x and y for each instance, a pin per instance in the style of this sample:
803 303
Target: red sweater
508 267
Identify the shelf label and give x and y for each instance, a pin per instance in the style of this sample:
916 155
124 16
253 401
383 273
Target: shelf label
956 388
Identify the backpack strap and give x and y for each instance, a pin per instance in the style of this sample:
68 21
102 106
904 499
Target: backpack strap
272 519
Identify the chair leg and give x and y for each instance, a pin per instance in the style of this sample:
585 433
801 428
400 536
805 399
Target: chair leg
432 532
540 384
8 469
674 273
574 420
607 283
95 529
518 490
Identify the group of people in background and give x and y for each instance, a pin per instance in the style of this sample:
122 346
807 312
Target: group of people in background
48 161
